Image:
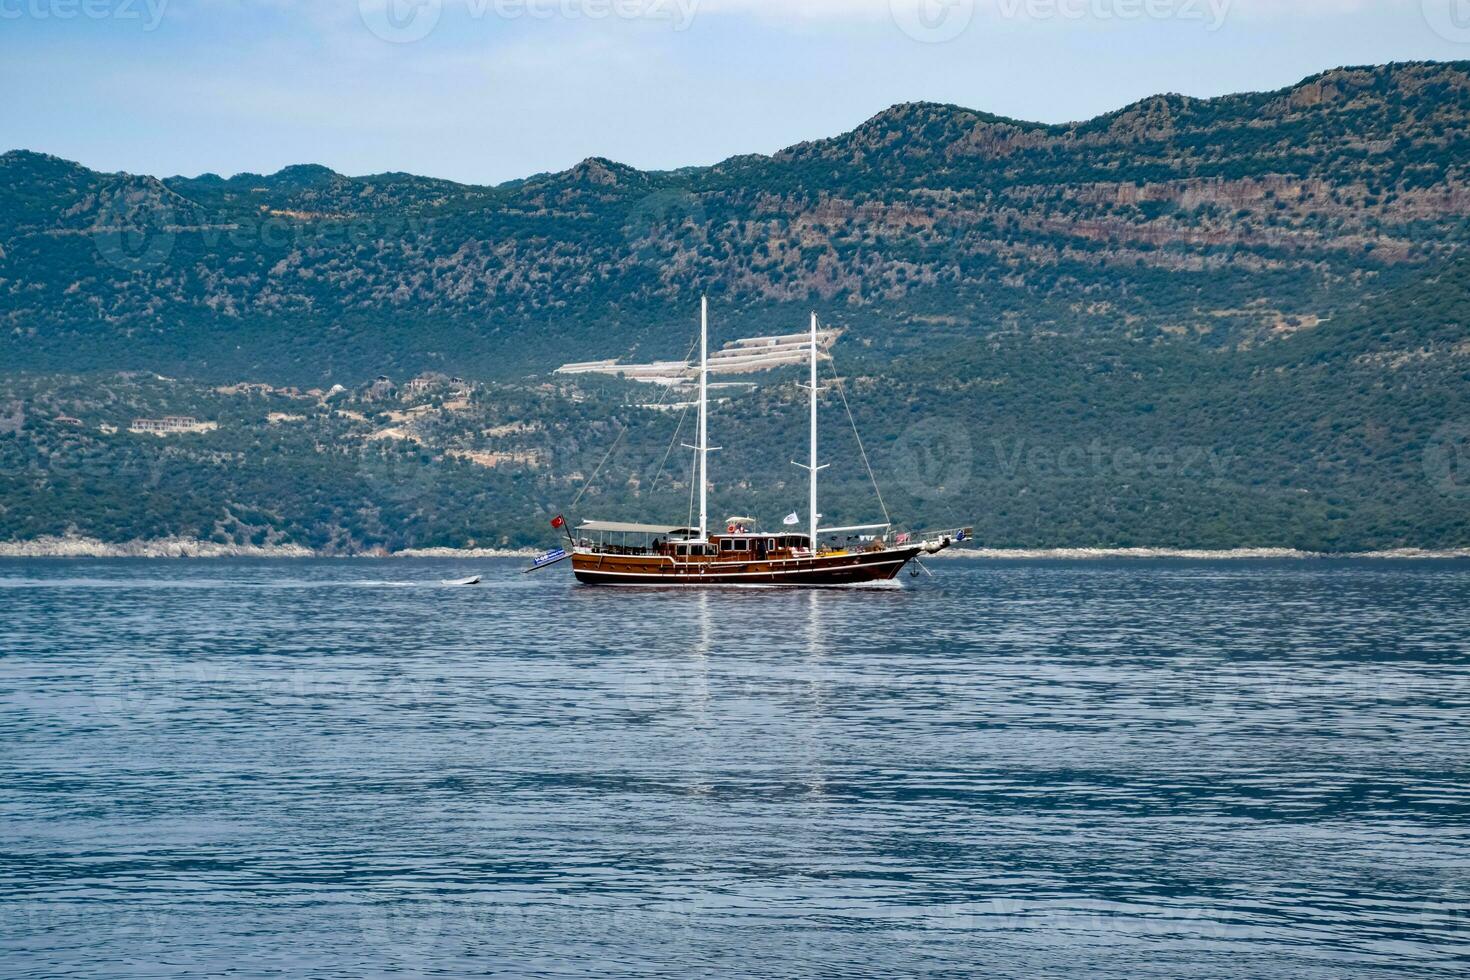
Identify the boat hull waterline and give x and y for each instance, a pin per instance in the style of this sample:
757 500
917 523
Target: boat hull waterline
842 568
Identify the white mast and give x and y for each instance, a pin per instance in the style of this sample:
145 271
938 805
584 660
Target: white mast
704 418
703 448
811 467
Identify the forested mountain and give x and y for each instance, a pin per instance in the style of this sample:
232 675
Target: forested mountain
1227 219
1235 321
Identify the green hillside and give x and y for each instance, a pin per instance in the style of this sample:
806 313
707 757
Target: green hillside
1340 438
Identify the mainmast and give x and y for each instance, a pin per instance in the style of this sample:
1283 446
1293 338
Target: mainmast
702 446
811 466
704 418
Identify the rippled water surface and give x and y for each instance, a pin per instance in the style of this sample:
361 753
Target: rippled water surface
338 769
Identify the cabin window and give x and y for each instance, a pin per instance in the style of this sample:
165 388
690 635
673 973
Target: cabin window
742 545
727 545
682 550
770 543
710 551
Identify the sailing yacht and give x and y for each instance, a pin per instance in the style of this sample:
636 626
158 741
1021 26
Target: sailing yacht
620 553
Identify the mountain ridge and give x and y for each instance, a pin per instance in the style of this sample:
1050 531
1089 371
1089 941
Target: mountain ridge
1230 220
1313 83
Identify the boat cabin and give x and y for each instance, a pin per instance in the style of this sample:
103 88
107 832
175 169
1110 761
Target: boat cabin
683 544
755 547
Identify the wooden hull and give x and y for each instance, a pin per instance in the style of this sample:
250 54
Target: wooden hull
838 569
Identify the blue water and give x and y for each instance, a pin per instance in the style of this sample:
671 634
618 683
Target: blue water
340 769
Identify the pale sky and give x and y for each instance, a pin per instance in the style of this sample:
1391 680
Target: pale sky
487 90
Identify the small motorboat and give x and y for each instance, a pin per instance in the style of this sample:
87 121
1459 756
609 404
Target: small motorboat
472 580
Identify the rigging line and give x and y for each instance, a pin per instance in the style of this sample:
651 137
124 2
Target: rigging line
590 480
861 451
619 439
678 428
670 451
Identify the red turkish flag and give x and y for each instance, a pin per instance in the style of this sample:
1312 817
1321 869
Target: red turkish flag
558 521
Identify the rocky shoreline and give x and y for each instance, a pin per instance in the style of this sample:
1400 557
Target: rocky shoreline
77 547
466 553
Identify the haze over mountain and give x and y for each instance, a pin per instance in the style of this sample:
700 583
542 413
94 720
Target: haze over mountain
1272 278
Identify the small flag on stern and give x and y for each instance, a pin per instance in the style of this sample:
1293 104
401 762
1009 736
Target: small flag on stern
558 521
792 519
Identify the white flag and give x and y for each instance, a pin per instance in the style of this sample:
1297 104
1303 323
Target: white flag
792 518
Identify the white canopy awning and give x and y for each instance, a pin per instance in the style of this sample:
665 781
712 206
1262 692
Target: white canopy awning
857 527
617 527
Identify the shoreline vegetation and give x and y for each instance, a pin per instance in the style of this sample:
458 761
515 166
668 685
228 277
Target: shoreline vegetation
80 547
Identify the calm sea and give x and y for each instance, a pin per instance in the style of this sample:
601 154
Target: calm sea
341 769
